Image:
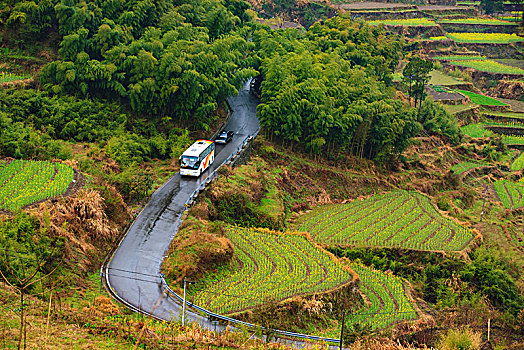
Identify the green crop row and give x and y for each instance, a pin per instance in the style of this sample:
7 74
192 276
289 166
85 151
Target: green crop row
7 77
459 58
476 130
397 219
488 21
465 166
485 65
273 266
413 22
481 99
389 303
518 164
510 193
500 38
25 182
507 124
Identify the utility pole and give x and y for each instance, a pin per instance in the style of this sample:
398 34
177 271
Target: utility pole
342 331
489 327
484 203
184 302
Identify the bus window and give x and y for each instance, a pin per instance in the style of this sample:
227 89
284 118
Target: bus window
189 162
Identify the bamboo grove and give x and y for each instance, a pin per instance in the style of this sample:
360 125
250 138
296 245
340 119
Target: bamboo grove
325 89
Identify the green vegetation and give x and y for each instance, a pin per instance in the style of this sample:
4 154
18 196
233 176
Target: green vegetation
488 66
504 115
312 94
506 124
168 63
416 76
518 163
264 272
465 166
499 38
415 22
510 193
386 293
26 182
396 219
486 21
461 339
428 274
476 130
8 77
454 109
459 58
438 38
440 78
481 99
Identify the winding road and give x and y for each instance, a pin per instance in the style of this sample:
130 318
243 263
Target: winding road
133 273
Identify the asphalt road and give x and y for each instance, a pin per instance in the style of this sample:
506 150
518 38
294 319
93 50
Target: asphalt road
132 273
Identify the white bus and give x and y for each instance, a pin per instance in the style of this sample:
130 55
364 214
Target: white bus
197 158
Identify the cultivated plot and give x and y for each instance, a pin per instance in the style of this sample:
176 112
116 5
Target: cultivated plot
398 219
273 266
25 182
389 303
510 193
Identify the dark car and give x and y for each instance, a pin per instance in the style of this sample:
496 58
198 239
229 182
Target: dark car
224 137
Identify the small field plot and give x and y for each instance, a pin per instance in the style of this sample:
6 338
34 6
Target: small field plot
489 66
272 266
459 58
9 77
414 22
498 38
439 78
25 182
389 302
504 115
485 21
510 193
476 130
398 219
518 163
465 166
481 99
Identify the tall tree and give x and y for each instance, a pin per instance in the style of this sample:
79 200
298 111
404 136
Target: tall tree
491 6
416 76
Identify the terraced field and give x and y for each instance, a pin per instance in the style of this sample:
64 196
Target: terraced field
478 130
510 193
411 22
397 219
465 166
272 266
499 38
518 163
389 302
8 77
25 182
482 99
489 66
484 21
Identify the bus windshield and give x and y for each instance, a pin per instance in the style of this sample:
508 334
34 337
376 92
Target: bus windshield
188 162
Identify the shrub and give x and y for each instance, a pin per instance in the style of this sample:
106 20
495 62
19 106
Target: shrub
464 339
